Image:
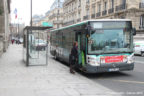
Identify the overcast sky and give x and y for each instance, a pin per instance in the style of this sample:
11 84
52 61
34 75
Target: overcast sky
23 9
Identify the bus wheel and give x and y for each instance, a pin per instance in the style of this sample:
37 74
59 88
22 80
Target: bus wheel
55 57
142 54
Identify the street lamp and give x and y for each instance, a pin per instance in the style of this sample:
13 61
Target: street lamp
31 13
58 13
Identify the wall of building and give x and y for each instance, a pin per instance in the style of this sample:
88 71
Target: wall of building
53 16
4 25
1 27
89 9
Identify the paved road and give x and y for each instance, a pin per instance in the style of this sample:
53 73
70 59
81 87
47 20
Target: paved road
128 83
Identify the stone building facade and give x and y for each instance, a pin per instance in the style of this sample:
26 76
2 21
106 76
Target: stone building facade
80 10
4 25
54 16
36 20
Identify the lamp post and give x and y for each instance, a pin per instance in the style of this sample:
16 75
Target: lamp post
31 13
58 14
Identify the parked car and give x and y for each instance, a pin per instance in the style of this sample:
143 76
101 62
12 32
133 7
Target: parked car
139 48
40 44
21 40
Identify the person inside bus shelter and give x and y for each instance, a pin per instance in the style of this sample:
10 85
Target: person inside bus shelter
73 57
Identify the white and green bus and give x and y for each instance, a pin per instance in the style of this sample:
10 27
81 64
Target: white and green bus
104 45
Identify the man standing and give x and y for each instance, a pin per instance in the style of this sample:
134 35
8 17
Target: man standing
73 57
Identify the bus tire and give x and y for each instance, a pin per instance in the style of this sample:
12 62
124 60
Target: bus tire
142 54
56 57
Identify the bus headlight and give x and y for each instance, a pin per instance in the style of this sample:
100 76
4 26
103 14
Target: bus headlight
130 59
93 60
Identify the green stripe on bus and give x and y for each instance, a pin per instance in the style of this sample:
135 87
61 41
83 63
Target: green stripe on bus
70 26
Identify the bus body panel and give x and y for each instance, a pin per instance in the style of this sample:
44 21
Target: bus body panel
109 68
61 44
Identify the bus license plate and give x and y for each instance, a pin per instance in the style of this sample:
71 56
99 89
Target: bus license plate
114 69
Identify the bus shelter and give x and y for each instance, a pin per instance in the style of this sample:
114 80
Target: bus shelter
35 46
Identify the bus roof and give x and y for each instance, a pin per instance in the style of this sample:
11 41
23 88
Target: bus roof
83 22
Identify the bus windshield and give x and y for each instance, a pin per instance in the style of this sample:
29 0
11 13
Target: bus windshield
108 39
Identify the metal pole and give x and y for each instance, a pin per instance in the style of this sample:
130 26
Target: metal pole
58 13
28 32
31 13
18 28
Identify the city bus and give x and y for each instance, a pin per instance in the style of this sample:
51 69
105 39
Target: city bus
104 45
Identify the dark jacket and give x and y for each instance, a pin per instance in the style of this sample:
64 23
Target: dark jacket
73 56
74 53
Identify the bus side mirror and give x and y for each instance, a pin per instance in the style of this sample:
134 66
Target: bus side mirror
134 31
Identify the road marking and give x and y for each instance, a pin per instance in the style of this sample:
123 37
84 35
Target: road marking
139 62
138 82
124 81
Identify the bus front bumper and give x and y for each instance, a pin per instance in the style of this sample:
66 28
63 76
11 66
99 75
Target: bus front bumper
109 68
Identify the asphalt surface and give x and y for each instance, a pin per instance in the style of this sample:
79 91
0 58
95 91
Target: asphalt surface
127 83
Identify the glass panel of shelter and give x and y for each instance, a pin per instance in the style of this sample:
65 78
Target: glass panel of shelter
25 46
37 47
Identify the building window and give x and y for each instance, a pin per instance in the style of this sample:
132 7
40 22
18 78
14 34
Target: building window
123 1
87 12
99 7
93 9
72 7
87 1
142 22
79 3
105 6
112 3
79 14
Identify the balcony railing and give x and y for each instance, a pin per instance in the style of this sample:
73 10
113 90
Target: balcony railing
86 17
69 22
98 14
78 20
57 21
93 16
121 7
55 15
141 5
111 10
104 12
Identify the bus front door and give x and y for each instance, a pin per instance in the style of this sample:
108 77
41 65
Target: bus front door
81 49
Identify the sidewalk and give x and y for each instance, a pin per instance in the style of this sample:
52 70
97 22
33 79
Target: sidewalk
53 80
